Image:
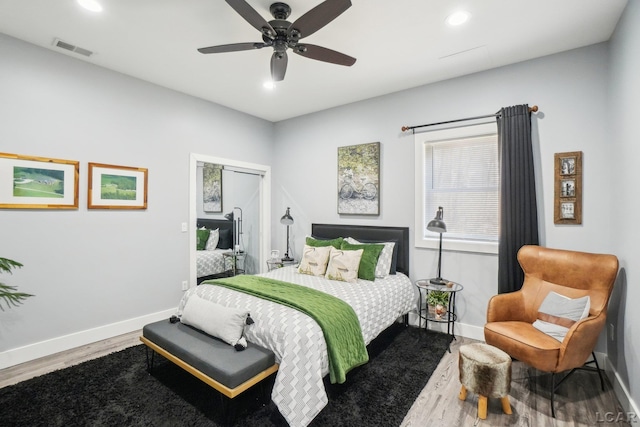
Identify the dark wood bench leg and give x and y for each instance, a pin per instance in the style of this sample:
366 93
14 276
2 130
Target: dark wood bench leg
149 359
229 410
265 390
262 392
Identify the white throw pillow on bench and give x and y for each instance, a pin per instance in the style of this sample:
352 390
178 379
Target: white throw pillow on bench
226 323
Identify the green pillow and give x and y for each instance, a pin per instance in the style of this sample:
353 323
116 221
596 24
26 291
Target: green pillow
336 243
369 260
201 239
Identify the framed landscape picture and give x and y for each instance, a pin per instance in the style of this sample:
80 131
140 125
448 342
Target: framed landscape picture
29 182
117 187
359 179
212 187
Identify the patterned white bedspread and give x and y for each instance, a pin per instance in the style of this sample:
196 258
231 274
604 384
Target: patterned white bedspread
211 262
297 340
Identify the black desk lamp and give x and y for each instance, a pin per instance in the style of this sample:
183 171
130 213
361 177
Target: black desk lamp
238 243
437 225
287 220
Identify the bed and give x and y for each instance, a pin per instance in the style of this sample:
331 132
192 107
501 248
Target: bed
297 340
211 264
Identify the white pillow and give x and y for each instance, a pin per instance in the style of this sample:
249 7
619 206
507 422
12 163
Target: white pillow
558 313
226 323
343 265
314 260
383 267
212 243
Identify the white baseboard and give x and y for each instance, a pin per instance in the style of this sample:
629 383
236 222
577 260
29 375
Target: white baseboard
37 350
622 393
460 329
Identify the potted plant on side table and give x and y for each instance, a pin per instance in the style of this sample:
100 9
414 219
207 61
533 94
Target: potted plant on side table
438 301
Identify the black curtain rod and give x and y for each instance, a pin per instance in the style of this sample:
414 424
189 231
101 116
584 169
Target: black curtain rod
406 128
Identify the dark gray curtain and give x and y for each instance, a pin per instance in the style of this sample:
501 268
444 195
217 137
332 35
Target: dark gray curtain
518 209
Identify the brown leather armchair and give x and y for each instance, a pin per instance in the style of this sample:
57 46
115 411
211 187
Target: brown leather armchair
573 274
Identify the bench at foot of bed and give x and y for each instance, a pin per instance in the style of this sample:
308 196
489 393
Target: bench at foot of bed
209 359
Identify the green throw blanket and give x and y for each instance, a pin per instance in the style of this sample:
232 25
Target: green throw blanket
339 323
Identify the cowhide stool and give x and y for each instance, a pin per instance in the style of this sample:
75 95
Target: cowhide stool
486 371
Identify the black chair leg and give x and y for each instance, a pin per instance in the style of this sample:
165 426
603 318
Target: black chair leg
553 393
555 386
593 354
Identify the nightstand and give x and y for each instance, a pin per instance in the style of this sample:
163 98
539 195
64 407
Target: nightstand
236 260
272 264
447 313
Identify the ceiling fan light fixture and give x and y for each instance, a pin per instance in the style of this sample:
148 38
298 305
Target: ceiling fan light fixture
91 5
458 18
282 35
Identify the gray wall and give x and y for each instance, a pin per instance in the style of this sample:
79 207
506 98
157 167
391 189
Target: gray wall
624 139
103 272
570 89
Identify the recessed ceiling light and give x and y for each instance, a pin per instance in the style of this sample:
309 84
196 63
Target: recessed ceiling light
458 18
269 85
91 5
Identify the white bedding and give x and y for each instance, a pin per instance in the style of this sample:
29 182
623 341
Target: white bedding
297 340
211 262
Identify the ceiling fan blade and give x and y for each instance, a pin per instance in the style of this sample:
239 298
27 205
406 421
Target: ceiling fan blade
319 16
278 66
323 54
234 47
252 17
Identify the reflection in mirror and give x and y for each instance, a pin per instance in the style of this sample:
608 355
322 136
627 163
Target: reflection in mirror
230 195
229 208
211 186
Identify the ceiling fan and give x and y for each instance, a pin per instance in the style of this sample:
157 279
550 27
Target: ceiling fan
281 34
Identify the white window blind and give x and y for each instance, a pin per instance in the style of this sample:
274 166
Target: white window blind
459 171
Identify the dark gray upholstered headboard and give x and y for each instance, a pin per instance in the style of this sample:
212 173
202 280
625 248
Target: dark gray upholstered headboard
222 224
368 232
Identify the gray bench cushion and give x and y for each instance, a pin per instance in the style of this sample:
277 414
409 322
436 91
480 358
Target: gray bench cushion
210 355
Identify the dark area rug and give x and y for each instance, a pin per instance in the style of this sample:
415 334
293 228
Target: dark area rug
116 390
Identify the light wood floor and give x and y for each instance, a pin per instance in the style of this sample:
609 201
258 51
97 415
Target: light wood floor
579 402
44 365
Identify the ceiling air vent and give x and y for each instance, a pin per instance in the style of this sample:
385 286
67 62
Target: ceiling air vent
67 46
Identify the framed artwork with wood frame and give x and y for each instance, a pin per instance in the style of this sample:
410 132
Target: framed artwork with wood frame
30 182
117 187
567 199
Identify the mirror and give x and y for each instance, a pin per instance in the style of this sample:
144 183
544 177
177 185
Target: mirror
240 188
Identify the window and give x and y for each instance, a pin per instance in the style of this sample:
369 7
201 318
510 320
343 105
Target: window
457 169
